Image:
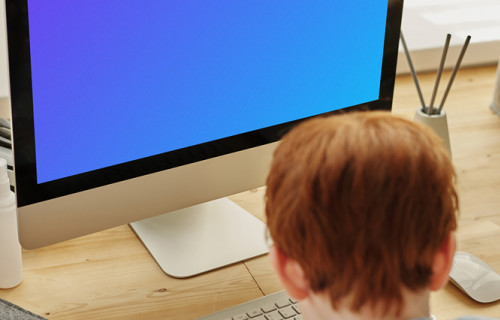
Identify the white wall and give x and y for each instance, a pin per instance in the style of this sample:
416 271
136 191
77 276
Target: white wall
4 70
426 23
4 79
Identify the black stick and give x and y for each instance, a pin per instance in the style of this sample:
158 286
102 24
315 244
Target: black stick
454 73
413 73
440 71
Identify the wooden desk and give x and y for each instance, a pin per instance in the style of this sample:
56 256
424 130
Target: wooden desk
109 275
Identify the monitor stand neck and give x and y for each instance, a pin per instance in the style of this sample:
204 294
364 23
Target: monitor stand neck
201 238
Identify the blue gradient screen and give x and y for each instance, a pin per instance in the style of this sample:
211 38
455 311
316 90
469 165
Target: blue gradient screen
116 81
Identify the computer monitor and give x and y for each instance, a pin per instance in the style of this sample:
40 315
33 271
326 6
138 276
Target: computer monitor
125 110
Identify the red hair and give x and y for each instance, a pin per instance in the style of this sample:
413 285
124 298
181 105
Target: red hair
362 201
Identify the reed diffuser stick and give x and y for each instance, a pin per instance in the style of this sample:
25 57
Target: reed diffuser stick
439 73
454 73
413 73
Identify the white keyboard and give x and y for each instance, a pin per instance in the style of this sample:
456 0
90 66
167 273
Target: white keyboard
276 306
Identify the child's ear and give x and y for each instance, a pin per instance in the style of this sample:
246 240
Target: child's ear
443 261
290 274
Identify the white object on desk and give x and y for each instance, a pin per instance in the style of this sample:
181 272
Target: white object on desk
438 123
427 22
11 266
201 238
475 278
495 104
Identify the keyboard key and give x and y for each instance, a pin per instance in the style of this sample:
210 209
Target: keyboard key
296 308
268 307
254 313
274 316
287 312
281 303
242 316
263 308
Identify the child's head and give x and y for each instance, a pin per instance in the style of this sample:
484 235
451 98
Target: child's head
362 201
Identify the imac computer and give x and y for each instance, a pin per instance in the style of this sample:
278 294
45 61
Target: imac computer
151 112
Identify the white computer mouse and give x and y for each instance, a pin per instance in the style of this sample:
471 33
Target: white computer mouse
475 277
